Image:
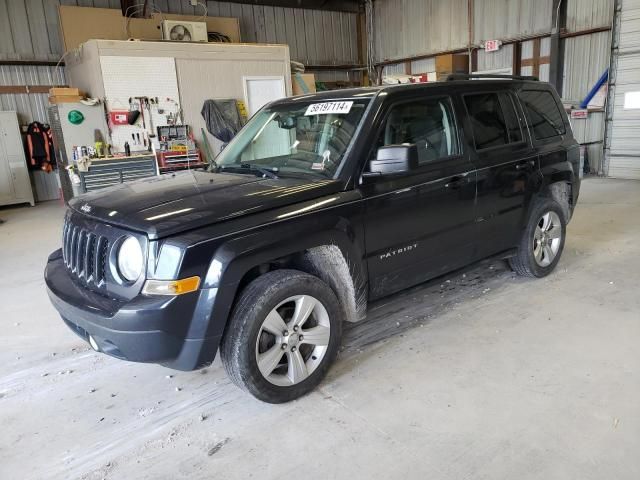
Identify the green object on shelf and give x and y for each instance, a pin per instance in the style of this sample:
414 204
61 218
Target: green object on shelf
75 117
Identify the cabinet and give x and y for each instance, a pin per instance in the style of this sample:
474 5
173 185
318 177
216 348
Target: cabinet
15 186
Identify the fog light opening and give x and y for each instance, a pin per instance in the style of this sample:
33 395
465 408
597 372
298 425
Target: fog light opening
93 343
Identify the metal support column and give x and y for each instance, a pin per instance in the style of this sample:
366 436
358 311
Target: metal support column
556 61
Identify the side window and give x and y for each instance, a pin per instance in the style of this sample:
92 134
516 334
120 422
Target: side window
428 124
513 124
487 120
543 113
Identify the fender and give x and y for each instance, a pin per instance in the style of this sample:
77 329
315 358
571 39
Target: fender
231 258
545 182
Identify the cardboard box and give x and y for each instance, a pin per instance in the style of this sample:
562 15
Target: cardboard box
309 80
80 24
64 98
63 91
458 63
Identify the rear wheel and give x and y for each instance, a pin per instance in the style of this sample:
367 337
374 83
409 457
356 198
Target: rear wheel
542 241
283 335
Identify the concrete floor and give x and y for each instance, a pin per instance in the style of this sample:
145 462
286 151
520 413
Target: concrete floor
482 376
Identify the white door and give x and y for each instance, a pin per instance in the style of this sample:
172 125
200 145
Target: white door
258 91
623 127
15 185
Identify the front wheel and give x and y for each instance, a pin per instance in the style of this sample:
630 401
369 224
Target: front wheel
283 335
542 241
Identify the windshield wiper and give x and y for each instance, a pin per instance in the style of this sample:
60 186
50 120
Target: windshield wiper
255 168
263 171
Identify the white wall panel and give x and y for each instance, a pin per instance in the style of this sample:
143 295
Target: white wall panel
202 80
126 77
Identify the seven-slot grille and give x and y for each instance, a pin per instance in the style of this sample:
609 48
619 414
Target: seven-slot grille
84 254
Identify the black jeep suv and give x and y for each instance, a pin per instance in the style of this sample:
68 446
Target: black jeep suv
320 204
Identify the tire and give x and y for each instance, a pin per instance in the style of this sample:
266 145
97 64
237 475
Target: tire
542 241
297 364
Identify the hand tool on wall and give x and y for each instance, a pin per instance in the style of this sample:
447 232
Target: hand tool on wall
133 115
151 132
141 103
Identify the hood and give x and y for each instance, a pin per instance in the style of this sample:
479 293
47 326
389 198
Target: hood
169 204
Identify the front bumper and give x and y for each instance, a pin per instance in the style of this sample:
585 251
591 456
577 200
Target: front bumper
153 329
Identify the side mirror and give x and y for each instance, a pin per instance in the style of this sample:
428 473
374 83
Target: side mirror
394 159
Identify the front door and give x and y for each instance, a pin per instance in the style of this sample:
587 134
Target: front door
420 223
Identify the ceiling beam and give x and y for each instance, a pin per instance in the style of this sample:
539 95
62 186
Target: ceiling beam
335 5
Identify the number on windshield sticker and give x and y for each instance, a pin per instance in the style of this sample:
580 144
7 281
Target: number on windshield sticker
328 107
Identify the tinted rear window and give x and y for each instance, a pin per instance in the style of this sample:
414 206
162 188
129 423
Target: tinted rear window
487 119
543 113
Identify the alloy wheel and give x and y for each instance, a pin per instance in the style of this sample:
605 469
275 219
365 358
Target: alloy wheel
293 340
547 238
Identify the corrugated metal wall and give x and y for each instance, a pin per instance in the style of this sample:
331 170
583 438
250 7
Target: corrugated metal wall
585 60
510 19
623 152
29 28
503 58
29 31
403 29
407 28
585 14
32 106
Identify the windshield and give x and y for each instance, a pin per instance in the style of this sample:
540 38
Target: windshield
296 137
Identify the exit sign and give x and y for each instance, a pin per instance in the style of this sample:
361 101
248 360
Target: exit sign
492 45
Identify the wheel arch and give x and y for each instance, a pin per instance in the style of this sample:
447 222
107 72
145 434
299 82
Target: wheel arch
332 255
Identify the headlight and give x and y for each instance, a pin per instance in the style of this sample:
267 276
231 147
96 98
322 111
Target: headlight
130 259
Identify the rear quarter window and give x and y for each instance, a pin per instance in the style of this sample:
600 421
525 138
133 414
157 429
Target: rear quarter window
543 113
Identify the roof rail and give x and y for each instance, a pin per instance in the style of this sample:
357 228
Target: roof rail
471 76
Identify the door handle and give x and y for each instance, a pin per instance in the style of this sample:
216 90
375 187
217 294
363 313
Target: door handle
523 165
455 182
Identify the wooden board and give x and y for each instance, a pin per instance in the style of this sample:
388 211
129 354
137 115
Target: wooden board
79 24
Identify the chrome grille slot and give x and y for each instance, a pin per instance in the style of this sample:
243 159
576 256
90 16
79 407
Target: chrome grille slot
80 252
101 260
73 248
85 254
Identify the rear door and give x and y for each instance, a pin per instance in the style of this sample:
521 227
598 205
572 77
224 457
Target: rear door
550 132
419 224
506 163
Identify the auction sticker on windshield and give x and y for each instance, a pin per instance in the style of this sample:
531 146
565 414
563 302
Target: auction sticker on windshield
328 107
